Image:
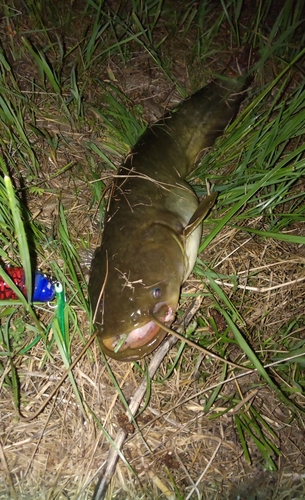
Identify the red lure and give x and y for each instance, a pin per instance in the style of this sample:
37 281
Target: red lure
43 289
17 275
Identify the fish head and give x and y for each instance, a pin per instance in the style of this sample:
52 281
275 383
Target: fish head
141 283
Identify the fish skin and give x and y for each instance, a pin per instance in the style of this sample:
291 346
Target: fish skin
145 257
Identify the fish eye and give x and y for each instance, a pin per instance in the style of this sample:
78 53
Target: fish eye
156 292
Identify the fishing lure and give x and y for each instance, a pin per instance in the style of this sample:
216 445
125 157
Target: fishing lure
43 289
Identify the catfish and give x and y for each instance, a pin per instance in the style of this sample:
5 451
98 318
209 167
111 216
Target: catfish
153 223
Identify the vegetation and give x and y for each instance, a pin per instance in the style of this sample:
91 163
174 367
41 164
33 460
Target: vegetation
79 82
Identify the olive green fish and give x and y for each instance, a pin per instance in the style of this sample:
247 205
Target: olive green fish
153 223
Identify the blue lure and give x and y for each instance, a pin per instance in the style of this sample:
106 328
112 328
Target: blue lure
44 288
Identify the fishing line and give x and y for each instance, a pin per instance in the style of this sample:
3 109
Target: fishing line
193 344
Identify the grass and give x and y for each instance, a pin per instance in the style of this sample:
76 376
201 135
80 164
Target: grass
76 86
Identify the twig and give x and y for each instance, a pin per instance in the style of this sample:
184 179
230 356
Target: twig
260 289
205 470
8 474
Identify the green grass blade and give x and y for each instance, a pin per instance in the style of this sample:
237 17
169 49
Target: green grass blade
20 233
230 319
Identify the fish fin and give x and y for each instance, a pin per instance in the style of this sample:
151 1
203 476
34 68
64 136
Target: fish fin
200 214
86 257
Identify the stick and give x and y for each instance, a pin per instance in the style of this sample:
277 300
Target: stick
102 486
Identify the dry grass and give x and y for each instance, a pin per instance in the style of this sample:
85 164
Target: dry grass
61 453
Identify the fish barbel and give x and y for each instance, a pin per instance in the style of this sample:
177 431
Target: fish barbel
153 224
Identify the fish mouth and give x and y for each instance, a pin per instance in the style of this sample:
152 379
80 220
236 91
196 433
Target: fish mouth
150 334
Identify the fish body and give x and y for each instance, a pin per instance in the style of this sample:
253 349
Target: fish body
152 226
